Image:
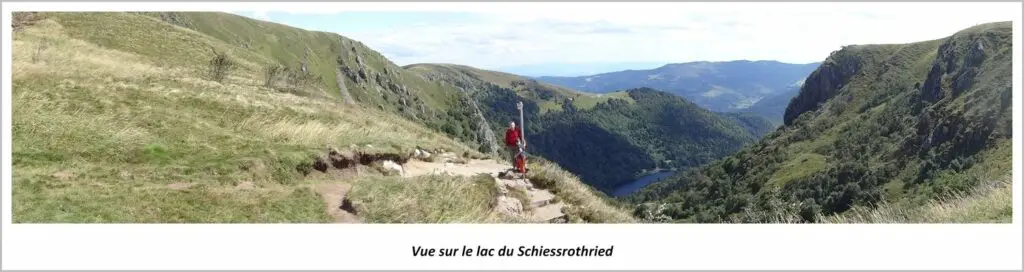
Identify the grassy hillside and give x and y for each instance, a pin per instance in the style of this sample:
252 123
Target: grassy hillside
609 138
339 68
548 98
120 117
987 203
901 124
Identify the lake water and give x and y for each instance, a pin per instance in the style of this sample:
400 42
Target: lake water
640 183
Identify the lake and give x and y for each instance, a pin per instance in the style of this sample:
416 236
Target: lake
640 183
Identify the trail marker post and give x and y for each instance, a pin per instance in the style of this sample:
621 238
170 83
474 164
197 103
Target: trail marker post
522 137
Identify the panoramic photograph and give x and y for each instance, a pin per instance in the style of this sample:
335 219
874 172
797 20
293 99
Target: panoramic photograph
824 114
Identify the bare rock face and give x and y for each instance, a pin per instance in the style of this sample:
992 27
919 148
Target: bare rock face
823 83
952 60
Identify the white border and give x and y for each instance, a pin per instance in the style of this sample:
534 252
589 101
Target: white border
161 246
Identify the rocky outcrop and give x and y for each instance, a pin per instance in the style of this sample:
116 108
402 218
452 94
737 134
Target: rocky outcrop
345 94
952 63
950 137
823 83
487 134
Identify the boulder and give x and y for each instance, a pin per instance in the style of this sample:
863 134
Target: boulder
392 166
422 154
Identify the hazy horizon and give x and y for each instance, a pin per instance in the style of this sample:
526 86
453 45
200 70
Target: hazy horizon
499 36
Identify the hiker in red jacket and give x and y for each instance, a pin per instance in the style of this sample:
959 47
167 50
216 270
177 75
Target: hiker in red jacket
513 138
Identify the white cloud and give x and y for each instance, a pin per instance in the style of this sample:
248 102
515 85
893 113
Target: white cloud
525 33
261 14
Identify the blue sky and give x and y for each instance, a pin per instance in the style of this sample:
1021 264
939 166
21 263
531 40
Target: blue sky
502 35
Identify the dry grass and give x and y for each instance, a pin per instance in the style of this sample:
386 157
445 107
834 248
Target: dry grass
989 203
426 199
584 203
128 127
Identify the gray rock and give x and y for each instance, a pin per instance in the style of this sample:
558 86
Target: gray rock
392 166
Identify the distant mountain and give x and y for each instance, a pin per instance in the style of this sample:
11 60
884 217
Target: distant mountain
718 86
605 139
576 69
773 107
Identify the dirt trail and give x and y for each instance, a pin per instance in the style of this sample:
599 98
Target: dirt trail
334 194
418 168
541 209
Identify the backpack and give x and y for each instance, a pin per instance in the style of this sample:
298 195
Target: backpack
520 162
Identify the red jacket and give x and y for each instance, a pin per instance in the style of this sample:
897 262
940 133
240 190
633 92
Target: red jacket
512 136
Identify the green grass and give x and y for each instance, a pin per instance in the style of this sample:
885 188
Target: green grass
801 166
588 101
131 124
45 199
549 106
816 144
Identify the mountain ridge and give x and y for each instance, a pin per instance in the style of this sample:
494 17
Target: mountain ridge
727 86
901 124
574 128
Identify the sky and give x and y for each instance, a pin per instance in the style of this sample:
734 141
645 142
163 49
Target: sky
508 35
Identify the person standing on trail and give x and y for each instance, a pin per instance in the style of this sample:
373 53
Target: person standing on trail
513 139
